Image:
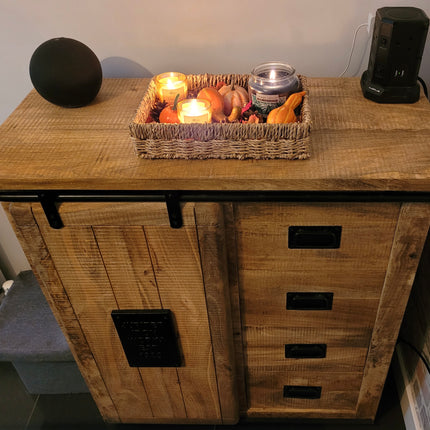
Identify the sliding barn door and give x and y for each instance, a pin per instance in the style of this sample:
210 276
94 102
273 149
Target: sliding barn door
125 256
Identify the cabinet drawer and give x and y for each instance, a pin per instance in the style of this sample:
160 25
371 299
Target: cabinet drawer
270 310
355 266
307 390
279 348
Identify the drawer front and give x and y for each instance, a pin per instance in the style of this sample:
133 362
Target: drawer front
269 308
310 280
353 269
309 390
280 348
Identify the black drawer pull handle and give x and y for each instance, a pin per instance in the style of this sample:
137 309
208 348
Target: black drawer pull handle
299 350
302 392
314 237
309 301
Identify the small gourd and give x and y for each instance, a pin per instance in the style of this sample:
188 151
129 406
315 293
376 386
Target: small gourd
235 114
281 115
285 114
294 99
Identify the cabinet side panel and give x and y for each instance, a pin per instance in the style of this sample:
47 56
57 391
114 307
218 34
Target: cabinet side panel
231 250
28 233
212 247
412 227
126 258
79 264
176 262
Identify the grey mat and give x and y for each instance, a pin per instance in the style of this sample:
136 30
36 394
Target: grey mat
28 329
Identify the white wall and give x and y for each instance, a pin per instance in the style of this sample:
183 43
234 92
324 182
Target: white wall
135 38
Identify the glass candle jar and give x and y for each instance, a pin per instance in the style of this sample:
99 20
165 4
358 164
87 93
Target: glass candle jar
194 111
270 84
169 85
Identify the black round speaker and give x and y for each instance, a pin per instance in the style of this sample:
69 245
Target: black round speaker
66 72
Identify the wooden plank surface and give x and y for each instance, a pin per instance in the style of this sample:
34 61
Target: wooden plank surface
213 255
416 322
126 259
109 258
338 390
346 348
77 259
176 263
233 277
411 233
356 144
28 233
268 269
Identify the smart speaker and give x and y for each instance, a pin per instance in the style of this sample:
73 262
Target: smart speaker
66 72
399 36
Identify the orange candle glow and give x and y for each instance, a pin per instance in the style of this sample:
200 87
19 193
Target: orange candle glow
169 85
194 111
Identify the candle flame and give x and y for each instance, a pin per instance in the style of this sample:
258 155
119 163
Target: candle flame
195 108
194 111
272 74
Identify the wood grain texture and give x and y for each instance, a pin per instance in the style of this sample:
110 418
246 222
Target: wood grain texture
128 265
138 214
176 262
233 276
346 348
355 269
28 233
416 322
300 413
78 261
126 256
338 390
269 269
212 247
411 232
355 145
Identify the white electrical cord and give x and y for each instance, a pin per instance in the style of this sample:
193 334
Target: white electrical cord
352 47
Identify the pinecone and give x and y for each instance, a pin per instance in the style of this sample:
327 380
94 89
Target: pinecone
156 110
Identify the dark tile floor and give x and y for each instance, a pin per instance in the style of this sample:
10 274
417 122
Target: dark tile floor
22 411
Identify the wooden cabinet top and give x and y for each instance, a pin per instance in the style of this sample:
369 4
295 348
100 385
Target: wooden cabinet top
356 145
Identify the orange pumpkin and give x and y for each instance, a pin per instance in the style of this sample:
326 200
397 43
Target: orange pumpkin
233 96
169 114
213 96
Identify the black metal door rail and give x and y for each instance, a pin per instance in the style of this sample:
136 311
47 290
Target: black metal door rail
50 199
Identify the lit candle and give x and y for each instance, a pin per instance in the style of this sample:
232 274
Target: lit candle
194 111
270 84
169 85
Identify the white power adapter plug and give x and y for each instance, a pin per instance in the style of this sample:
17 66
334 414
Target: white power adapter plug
6 285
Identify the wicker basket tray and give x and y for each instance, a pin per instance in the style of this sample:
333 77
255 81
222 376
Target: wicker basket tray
236 140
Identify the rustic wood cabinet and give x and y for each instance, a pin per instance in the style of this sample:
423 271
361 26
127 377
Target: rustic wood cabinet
287 281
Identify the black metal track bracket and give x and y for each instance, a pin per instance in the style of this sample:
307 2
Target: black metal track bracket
174 209
49 206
